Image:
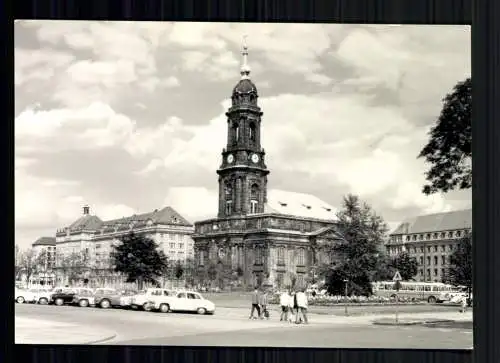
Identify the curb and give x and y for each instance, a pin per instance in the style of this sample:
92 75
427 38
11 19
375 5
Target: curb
102 340
411 322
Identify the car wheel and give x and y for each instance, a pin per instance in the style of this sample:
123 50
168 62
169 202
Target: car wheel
146 307
59 302
393 296
105 304
431 300
43 301
83 303
201 311
20 300
164 308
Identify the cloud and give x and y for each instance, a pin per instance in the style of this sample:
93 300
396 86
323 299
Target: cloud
95 126
346 109
183 199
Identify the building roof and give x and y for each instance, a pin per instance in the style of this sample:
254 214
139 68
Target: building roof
460 219
299 205
44 241
166 215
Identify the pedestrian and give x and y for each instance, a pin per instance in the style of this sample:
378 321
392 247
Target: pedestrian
255 304
464 304
301 307
284 303
295 307
263 305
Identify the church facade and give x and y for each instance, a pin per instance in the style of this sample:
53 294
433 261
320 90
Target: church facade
271 237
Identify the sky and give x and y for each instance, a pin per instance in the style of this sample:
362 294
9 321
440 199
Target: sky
129 117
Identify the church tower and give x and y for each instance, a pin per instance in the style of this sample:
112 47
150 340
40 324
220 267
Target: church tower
243 173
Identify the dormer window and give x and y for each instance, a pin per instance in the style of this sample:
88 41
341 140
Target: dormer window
307 206
283 204
328 209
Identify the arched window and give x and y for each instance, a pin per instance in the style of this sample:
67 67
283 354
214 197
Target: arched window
254 198
252 132
236 131
228 191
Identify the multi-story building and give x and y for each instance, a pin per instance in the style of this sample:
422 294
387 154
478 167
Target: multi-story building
271 236
431 239
44 254
93 239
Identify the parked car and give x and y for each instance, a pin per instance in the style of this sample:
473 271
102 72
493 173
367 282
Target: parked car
83 297
22 296
63 296
107 297
141 299
42 296
183 301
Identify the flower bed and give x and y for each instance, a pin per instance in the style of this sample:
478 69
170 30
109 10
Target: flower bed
361 300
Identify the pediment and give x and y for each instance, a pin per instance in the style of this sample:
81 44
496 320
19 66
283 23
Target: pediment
327 233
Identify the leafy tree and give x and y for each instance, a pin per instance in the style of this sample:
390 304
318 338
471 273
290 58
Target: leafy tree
406 265
27 263
18 268
190 271
179 270
460 267
139 258
357 257
448 150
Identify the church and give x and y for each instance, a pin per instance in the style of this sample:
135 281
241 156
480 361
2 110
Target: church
272 237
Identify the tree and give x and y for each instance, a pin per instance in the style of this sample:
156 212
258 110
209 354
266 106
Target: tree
139 258
178 270
460 267
357 257
406 265
18 268
448 150
27 263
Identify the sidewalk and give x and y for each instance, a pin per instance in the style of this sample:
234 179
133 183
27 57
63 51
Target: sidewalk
35 331
369 319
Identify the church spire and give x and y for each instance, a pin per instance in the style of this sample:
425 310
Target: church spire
245 69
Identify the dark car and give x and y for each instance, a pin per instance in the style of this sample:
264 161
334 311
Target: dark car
63 297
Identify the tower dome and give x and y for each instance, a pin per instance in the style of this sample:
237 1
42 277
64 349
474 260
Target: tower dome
245 90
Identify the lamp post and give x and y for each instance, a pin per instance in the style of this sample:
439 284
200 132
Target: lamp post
345 297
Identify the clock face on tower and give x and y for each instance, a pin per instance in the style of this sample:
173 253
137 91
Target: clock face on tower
255 158
230 158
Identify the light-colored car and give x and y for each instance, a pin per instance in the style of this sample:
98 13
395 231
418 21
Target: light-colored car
22 296
42 296
142 298
83 297
183 301
107 297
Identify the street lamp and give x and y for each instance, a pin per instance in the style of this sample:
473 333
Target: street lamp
345 297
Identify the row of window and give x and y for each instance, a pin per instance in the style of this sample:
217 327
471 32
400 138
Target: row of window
253 207
422 249
436 272
444 260
431 236
301 256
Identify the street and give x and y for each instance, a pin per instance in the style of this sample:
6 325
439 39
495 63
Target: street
231 327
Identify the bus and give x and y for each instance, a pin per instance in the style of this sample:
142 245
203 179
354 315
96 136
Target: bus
431 292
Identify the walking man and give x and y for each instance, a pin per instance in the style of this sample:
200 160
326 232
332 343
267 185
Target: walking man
263 305
255 304
301 307
284 303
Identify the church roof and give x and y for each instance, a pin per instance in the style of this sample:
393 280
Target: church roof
245 86
460 219
45 241
167 215
299 205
